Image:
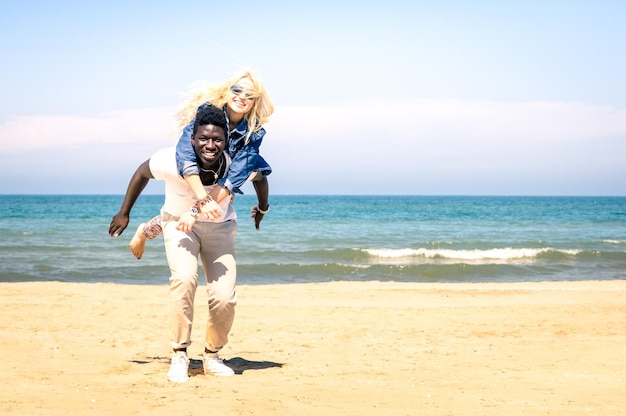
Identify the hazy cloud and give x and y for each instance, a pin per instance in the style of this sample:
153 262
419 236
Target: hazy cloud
119 127
377 146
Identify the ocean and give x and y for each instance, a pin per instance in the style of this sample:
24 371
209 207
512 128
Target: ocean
332 238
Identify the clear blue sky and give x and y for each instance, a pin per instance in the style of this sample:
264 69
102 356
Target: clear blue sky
387 97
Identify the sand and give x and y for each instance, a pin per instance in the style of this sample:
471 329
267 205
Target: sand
345 348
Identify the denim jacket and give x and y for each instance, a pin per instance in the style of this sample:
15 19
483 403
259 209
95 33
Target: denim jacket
245 158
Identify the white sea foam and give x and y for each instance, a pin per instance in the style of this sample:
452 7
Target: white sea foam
494 254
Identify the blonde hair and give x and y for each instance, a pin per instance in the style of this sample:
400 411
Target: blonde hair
202 92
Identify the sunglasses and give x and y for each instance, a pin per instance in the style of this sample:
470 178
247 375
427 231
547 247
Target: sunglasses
238 90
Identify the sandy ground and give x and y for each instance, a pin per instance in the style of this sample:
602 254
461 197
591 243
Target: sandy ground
346 348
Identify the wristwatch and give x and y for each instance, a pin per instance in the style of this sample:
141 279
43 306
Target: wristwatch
264 211
194 211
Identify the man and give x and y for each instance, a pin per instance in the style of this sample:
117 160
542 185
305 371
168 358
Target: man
213 241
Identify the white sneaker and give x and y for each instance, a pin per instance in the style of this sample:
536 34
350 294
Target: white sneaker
179 368
213 364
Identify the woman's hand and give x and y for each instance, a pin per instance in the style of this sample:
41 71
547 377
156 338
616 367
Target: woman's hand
211 210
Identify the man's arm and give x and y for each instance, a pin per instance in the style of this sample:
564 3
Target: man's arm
137 183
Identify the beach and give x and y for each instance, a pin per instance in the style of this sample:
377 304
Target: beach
341 348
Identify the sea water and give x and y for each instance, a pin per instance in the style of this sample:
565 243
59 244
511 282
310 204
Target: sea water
332 238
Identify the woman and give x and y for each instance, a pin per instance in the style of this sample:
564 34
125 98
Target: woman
247 106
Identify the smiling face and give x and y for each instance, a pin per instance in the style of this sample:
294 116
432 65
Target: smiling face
242 96
208 142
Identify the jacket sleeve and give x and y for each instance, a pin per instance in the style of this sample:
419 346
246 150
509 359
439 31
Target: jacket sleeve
245 161
185 156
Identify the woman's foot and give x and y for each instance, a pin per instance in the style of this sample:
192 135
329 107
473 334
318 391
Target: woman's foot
138 242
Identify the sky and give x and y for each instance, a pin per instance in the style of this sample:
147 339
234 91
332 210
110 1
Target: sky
385 98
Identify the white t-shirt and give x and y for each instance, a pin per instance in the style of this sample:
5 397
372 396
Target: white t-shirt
178 195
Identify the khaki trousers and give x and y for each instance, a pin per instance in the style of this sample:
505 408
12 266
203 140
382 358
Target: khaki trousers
214 243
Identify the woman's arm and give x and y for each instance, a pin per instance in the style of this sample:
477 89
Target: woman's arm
187 162
185 155
245 161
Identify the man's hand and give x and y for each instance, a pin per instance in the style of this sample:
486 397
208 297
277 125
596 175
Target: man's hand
186 222
119 222
258 217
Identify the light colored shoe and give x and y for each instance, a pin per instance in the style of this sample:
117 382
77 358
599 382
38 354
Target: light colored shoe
213 364
179 368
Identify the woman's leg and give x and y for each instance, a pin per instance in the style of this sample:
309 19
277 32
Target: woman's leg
146 231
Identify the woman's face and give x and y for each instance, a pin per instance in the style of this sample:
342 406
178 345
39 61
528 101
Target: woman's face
242 97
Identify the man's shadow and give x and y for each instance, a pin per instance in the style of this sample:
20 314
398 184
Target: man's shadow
238 364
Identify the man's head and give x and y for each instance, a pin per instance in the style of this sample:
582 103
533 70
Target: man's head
209 135
209 114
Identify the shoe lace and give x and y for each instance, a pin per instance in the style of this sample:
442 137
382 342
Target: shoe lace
179 358
214 358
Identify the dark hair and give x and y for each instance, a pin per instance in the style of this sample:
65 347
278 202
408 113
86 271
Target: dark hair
209 114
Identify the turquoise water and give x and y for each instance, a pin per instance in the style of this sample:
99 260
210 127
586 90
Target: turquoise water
326 238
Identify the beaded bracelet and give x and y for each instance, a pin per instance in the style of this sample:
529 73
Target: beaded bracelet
202 202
